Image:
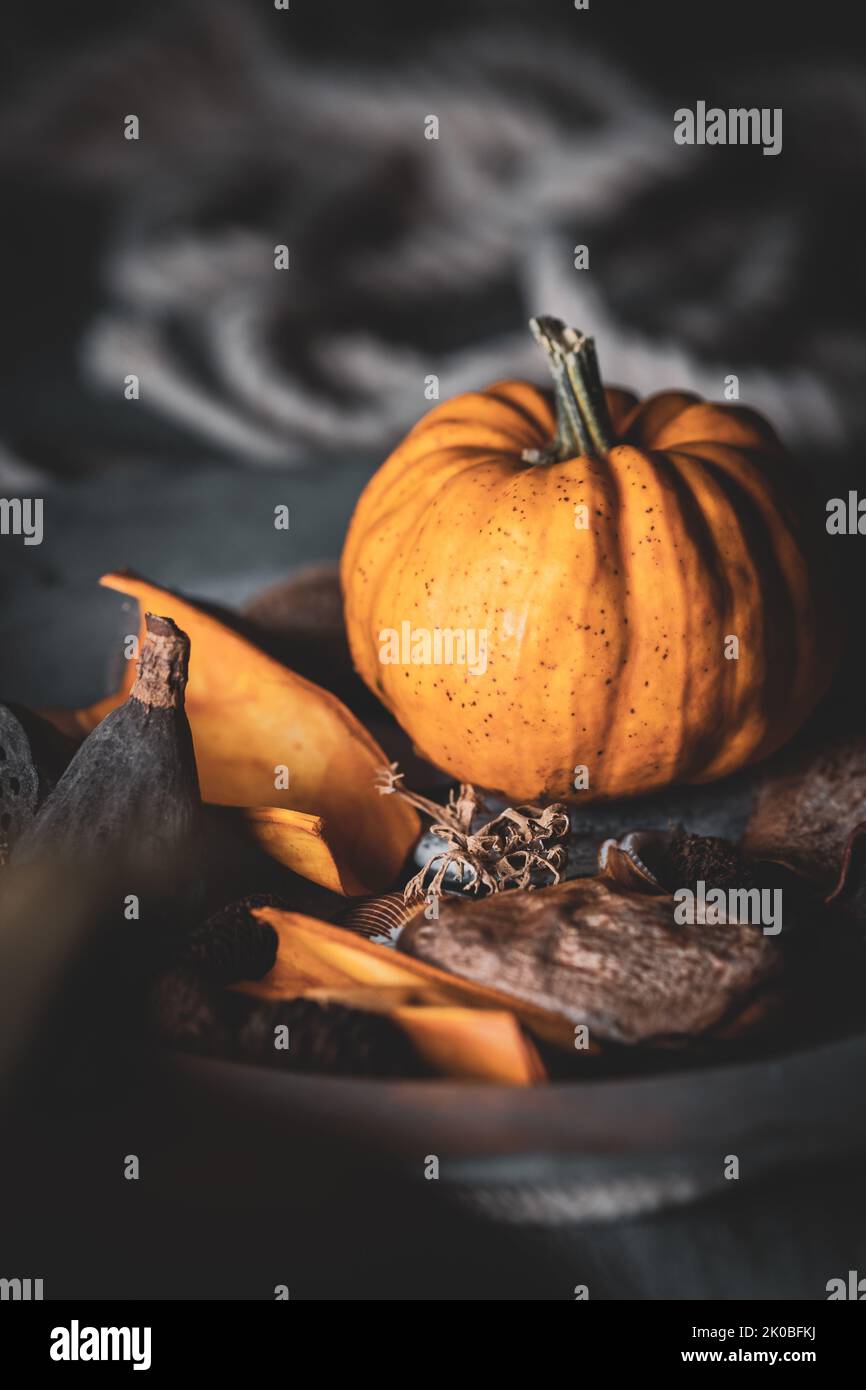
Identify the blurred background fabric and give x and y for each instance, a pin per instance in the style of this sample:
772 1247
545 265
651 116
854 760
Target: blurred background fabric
411 256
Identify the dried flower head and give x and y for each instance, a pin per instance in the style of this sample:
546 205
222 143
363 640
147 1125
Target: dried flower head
506 852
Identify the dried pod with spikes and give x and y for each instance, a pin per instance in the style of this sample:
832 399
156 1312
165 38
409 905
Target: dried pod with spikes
233 944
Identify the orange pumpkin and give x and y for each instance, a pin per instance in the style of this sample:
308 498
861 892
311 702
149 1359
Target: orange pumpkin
596 563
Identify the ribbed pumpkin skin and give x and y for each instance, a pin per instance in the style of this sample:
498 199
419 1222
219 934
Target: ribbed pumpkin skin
606 645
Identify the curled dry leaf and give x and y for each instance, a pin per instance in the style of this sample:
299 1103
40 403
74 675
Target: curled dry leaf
612 960
848 890
303 843
472 1044
456 1030
315 956
249 714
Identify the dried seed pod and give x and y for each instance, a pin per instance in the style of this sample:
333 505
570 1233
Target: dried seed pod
379 919
190 1013
131 791
33 756
327 1038
233 944
613 960
709 858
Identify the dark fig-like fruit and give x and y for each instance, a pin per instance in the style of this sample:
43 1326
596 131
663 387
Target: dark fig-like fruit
131 792
33 756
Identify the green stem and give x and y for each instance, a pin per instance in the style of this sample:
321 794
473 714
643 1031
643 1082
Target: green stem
582 421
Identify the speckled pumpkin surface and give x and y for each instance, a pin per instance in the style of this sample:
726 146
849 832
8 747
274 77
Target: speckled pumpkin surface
607 572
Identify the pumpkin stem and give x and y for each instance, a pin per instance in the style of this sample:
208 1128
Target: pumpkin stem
582 421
